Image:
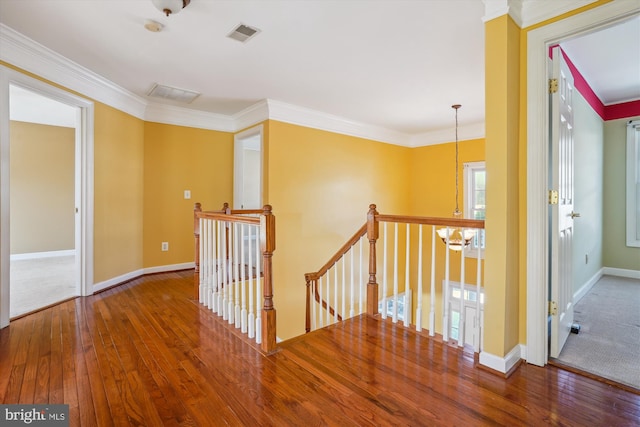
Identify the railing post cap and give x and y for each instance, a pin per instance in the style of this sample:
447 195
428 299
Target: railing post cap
267 209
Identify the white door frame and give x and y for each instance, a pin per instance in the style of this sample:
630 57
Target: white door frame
238 164
538 42
83 174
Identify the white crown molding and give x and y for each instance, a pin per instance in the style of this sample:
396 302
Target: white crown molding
181 116
296 115
536 11
530 12
252 115
24 53
442 136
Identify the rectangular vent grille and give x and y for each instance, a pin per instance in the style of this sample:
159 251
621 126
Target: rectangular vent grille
243 33
173 93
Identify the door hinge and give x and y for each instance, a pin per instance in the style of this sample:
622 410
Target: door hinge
553 197
553 85
553 308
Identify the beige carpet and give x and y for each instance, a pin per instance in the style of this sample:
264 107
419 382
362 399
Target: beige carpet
39 282
608 344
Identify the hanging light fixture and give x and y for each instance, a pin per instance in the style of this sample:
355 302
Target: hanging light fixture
169 7
456 238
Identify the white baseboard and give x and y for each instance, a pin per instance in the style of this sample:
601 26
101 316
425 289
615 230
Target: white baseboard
584 289
137 273
502 364
48 254
621 272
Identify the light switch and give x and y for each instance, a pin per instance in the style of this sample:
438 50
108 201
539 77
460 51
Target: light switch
187 194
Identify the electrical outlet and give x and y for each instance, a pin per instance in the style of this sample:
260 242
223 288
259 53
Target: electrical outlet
165 246
187 194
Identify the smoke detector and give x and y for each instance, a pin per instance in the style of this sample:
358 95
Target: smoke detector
153 26
243 33
173 93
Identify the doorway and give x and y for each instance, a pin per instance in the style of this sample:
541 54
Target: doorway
247 169
538 42
42 185
63 228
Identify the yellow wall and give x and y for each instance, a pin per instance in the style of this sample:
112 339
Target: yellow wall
320 185
502 46
118 193
42 187
179 158
432 188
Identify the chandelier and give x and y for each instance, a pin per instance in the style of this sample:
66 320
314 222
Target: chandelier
456 238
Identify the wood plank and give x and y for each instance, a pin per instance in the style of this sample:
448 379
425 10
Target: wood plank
145 353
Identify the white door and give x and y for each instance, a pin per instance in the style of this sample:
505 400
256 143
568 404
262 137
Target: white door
562 215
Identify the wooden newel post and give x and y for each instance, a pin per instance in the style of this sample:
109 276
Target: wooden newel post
196 233
268 246
372 286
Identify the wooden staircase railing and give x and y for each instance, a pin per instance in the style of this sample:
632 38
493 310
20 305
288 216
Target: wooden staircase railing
231 269
328 303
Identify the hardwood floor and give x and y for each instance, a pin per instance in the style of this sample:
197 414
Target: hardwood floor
144 353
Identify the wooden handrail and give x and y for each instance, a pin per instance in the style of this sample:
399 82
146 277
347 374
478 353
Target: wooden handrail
451 222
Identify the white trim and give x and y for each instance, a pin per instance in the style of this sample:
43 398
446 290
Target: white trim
584 289
115 281
84 178
302 116
621 272
494 9
632 231
501 364
31 56
38 255
181 116
466 132
538 41
534 12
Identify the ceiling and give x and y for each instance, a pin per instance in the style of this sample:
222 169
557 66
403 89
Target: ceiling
398 65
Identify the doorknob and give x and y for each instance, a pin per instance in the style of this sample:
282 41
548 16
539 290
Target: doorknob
574 215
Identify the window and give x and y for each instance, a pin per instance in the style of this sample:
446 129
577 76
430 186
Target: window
633 183
472 330
474 200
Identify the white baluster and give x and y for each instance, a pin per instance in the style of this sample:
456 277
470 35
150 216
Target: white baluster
328 297
217 298
361 284
201 264
419 307
461 317
225 272
352 292
335 292
477 322
259 301
251 318
384 271
432 295
319 303
234 303
343 310
243 280
407 284
445 292
395 273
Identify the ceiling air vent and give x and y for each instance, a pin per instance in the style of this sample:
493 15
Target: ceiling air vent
173 93
243 33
